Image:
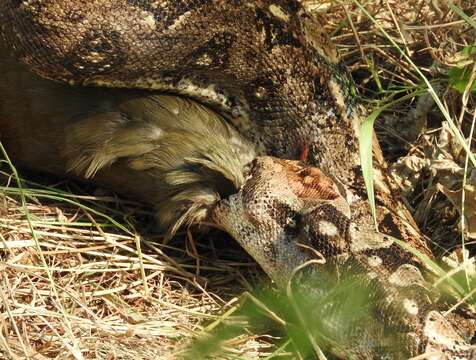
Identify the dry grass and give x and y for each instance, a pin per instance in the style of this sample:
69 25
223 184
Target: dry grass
85 277
76 286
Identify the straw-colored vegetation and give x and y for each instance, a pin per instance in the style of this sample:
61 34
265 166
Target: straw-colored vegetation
84 275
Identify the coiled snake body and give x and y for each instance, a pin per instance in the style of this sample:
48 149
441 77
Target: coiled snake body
266 67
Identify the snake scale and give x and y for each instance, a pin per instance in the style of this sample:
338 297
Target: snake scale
268 69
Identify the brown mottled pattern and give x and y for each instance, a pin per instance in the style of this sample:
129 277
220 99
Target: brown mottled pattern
266 66
308 182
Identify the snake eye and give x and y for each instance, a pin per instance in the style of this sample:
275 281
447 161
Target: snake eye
294 220
293 225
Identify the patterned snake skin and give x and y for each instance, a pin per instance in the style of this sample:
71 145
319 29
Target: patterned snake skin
266 67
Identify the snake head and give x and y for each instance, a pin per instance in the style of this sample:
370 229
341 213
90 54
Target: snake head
292 219
284 211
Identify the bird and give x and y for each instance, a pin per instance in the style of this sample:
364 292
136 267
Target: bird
168 151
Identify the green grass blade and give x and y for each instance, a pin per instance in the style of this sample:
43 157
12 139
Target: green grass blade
432 265
366 159
456 131
461 13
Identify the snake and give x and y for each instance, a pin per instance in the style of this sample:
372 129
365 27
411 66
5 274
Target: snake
266 69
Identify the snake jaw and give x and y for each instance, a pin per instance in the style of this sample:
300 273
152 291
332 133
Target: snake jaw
281 212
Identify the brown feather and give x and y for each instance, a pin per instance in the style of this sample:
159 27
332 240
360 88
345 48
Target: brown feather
168 151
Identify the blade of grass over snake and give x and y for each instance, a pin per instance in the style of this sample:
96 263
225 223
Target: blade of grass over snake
433 266
365 149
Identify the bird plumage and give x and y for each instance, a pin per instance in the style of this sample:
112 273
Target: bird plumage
183 156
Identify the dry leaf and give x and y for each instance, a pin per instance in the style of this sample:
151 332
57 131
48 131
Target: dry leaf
469 205
407 172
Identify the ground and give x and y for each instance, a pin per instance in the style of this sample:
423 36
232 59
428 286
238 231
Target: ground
84 274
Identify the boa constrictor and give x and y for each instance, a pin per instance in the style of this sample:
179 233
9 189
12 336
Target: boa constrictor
267 68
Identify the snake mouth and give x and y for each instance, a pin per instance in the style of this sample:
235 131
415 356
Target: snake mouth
284 211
